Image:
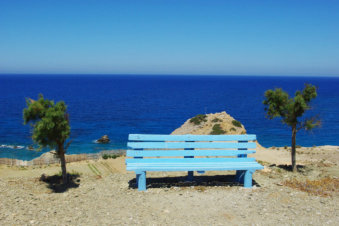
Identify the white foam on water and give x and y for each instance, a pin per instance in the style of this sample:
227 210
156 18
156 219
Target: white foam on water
11 146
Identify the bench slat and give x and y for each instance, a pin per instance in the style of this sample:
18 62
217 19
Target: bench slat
189 137
194 166
161 153
176 145
189 160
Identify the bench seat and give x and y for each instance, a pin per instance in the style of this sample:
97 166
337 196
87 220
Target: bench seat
192 164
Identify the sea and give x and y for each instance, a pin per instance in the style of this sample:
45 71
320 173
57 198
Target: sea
117 105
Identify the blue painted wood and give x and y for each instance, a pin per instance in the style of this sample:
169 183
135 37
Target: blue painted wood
194 167
189 137
248 179
189 173
179 145
183 160
141 181
169 153
240 173
145 145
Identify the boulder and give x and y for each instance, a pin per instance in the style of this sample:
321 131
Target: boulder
103 140
217 123
205 125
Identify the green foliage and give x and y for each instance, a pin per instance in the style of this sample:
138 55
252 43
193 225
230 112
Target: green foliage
232 129
198 119
107 156
279 104
216 120
50 126
217 130
236 123
49 121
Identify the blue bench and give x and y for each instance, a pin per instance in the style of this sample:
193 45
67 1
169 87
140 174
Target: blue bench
177 153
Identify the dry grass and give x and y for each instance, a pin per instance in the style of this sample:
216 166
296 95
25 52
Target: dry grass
324 187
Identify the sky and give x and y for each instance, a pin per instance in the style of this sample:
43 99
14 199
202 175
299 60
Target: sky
276 37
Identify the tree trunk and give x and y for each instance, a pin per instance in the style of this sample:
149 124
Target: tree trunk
61 153
294 135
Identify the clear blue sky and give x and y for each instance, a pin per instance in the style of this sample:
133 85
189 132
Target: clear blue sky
287 37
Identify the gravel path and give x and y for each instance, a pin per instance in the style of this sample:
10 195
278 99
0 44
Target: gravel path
108 200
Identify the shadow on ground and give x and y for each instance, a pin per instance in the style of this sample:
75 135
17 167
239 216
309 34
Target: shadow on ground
56 185
204 181
300 168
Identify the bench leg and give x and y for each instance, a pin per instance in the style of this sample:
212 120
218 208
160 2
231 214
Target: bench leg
248 179
190 176
141 181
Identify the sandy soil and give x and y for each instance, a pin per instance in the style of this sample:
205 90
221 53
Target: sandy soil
103 193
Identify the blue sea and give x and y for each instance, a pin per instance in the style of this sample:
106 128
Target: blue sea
117 105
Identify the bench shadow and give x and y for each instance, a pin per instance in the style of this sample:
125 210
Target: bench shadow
181 181
57 186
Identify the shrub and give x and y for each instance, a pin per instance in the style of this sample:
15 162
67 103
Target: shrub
216 120
236 123
217 130
298 146
323 187
107 156
198 119
232 129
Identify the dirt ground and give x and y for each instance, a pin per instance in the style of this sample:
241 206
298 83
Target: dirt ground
103 193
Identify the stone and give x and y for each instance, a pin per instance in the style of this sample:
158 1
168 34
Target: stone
104 140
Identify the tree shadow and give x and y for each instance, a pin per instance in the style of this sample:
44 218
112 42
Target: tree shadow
57 186
300 168
181 181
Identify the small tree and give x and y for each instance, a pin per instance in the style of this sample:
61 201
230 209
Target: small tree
50 126
279 104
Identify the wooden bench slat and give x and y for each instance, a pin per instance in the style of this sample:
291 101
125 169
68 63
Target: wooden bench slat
195 167
189 137
189 160
176 145
163 153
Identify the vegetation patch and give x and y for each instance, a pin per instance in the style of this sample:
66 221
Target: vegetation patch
107 156
236 123
198 119
217 130
323 187
232 129
216 120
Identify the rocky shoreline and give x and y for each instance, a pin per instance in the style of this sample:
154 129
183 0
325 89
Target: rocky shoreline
50 158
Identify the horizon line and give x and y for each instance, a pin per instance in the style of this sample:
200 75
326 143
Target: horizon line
165 74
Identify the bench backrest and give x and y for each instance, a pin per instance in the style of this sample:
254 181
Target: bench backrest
147 145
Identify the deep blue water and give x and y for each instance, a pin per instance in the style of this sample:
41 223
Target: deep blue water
119 105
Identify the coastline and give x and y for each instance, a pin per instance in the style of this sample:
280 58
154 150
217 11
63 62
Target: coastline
277 155
49 158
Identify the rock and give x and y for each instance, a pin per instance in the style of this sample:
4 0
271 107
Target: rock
227 123
104 140
48 157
